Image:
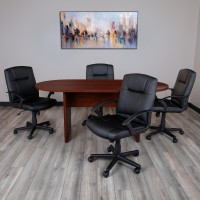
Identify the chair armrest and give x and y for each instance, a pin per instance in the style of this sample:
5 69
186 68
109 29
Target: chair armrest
132 117
17 95
49 95
21 98
98 108
171 89
162 101
173 96
128 121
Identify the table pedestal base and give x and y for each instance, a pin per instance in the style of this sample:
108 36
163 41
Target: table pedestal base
84 100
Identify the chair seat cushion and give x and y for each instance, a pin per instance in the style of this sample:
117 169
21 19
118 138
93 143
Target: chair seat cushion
171 107
110 127
37 104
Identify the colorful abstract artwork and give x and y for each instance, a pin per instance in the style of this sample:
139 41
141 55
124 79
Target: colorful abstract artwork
110 30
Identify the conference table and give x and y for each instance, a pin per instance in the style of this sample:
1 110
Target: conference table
85 93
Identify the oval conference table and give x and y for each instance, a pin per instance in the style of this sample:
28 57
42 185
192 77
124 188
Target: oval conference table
85 93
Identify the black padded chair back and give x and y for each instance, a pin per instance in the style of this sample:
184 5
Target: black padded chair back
21 81
183 86
99 71
137 94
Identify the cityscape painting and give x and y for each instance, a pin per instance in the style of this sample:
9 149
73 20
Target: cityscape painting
110 30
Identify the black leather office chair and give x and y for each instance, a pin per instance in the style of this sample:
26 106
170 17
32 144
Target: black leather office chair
99 71
22 93
133 116
176 103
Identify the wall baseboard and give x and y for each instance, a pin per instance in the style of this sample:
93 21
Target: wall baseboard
194 107
9 104
4 103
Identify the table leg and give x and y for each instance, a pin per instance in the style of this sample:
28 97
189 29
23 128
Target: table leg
67 116
137 138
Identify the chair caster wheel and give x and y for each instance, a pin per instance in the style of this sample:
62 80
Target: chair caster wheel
157 114
109 149
106 174
51 131
181 132
15 132
28 124
136 153
137 170
90 159
175 140
48 123
30 137
148 137
84 123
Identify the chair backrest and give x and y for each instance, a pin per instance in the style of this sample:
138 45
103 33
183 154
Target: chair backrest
99 71
21 81
137 94
183 86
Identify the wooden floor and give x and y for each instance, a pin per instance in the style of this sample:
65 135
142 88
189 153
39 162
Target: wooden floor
46 168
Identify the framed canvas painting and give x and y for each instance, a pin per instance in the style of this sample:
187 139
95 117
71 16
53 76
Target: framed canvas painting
99 30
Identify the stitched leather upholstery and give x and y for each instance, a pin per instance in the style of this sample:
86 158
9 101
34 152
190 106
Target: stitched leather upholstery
137 94
183 87
99 71
20 80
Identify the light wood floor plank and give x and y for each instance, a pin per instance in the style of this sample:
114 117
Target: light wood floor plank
72 181
73 175
124 195
27 175
194 173
8 180
139 185
90 171
105 187
55 185
46 168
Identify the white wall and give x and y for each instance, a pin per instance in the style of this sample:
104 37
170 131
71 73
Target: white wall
30 36
195 95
